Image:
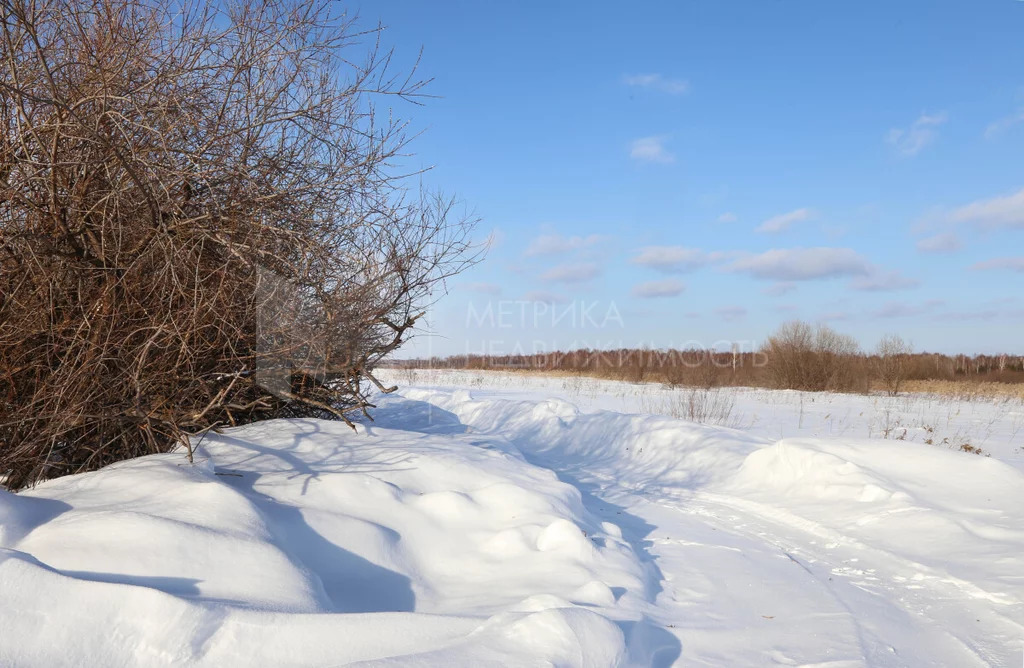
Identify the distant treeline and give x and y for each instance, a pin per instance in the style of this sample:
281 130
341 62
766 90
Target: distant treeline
798 356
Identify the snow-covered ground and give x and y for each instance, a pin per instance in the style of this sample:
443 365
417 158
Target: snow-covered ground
995 424
492 519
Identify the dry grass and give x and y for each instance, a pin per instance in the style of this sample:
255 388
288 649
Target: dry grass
966 390
953 389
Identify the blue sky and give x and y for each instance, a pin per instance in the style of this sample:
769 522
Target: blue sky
699 172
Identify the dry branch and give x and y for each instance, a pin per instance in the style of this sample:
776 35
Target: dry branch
202 222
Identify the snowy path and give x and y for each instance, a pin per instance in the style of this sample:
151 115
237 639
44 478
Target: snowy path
745 580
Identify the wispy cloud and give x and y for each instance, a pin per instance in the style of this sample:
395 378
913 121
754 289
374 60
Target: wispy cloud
784 221
572 273
882 280
553 244
658 82
834 231
671 259
802 264
544 297
651 149
483 288
779 289
1011 263
1004 212
998 127
728 217
652 289
731 313
905 310
947 242
987 315
922 132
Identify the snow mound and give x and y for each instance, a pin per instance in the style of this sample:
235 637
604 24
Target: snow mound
303 543
943 514
646 451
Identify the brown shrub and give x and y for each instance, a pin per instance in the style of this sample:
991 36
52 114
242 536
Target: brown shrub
892 357
199 224
802 357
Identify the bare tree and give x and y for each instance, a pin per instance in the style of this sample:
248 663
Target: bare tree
803 357
203 222
892 362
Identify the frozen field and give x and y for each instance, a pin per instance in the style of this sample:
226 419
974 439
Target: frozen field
500 519
995 425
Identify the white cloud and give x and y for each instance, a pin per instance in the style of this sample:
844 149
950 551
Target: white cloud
731 313
993 213
545 297
802 264
572 273
1000 126
881 280
483 288
728 217
1012 263
946 242
651 149
808 264
658 82
922 132
666 288
784 221
671 259
553 244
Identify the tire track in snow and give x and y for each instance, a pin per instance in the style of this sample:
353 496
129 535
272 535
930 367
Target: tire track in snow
937 594
931 613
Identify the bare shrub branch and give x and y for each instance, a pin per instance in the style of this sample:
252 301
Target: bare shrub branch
802 357
202 223
892 362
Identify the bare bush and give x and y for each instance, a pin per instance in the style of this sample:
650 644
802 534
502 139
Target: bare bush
707 406
697 404
201 224
803 357
892 356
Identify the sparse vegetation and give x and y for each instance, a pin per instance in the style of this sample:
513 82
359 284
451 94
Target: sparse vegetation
941 420
706 406
891 361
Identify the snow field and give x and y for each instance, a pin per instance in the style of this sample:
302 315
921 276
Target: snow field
995 424
486 520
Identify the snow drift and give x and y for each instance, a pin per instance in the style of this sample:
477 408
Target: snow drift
301 543
471 529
